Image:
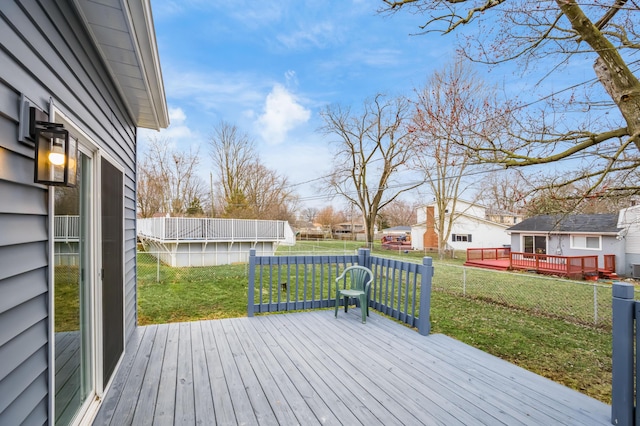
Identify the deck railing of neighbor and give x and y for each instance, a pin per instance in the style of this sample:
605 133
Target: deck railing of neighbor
563 265
400 289
493 253
66 228
214 229
624 371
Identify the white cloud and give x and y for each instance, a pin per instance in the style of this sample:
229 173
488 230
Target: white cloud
318 35
282 113
177 115
214 90
178 133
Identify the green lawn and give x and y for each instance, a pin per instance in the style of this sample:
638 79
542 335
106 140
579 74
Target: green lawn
576 356
187 294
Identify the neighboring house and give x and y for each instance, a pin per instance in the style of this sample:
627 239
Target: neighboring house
470 228
571 235
349 231
92 67
504 217
629 222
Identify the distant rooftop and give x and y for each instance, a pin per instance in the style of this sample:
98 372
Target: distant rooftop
599 223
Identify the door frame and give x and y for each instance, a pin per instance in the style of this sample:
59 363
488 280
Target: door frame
88 146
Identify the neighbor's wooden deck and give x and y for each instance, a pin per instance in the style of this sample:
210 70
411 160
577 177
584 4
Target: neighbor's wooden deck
309 368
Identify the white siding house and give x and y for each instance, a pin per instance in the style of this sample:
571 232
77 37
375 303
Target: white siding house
470 229
629 222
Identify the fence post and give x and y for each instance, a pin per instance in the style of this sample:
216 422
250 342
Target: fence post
622 372
252 279
424 323
464 281
364 257
595 305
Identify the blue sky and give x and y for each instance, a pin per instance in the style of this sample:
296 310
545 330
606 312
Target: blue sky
270 67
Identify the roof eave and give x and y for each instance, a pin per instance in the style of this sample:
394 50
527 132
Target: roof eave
146 102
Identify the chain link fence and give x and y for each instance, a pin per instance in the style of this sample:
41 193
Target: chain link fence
151 269
581 302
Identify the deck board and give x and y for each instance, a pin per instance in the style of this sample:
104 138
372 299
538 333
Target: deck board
223 407
146 403
311 368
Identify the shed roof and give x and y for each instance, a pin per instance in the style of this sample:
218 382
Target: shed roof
588 223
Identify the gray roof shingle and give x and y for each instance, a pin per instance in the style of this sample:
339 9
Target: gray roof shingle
599 223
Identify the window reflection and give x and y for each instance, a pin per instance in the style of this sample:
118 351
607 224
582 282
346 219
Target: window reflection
71 299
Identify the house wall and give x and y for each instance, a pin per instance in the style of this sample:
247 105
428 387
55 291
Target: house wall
45 54
484 234
417 233
629 221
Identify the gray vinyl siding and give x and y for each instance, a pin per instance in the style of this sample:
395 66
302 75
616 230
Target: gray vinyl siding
46 54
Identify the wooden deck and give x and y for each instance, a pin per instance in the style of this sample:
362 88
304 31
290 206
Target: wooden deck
309 368
498 264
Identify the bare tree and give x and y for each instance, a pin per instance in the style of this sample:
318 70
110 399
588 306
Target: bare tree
309 214
505 191
373 145
233 154
556 199
269 194
249 190
557 32
150 190
398 213
329 217
455 109
167 179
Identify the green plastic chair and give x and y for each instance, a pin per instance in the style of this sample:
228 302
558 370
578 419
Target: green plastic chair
359 279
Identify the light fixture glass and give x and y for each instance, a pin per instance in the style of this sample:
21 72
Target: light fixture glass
56 153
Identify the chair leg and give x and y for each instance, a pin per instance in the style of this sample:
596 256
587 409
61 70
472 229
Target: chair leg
346 304
337 303
363 309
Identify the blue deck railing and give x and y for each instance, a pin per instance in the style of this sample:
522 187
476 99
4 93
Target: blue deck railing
624 371
400 289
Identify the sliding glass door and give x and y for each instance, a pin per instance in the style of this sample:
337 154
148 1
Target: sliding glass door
73 297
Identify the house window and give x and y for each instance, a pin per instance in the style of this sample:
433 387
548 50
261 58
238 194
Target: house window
461 238
585 242
534 244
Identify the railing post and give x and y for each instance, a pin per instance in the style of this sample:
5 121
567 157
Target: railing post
252 279
622 372
364 257
424 323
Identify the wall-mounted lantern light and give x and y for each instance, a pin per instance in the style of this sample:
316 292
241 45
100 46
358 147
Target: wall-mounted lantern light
56 152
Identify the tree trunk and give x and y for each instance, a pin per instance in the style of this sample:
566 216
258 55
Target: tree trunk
626 96
612 71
